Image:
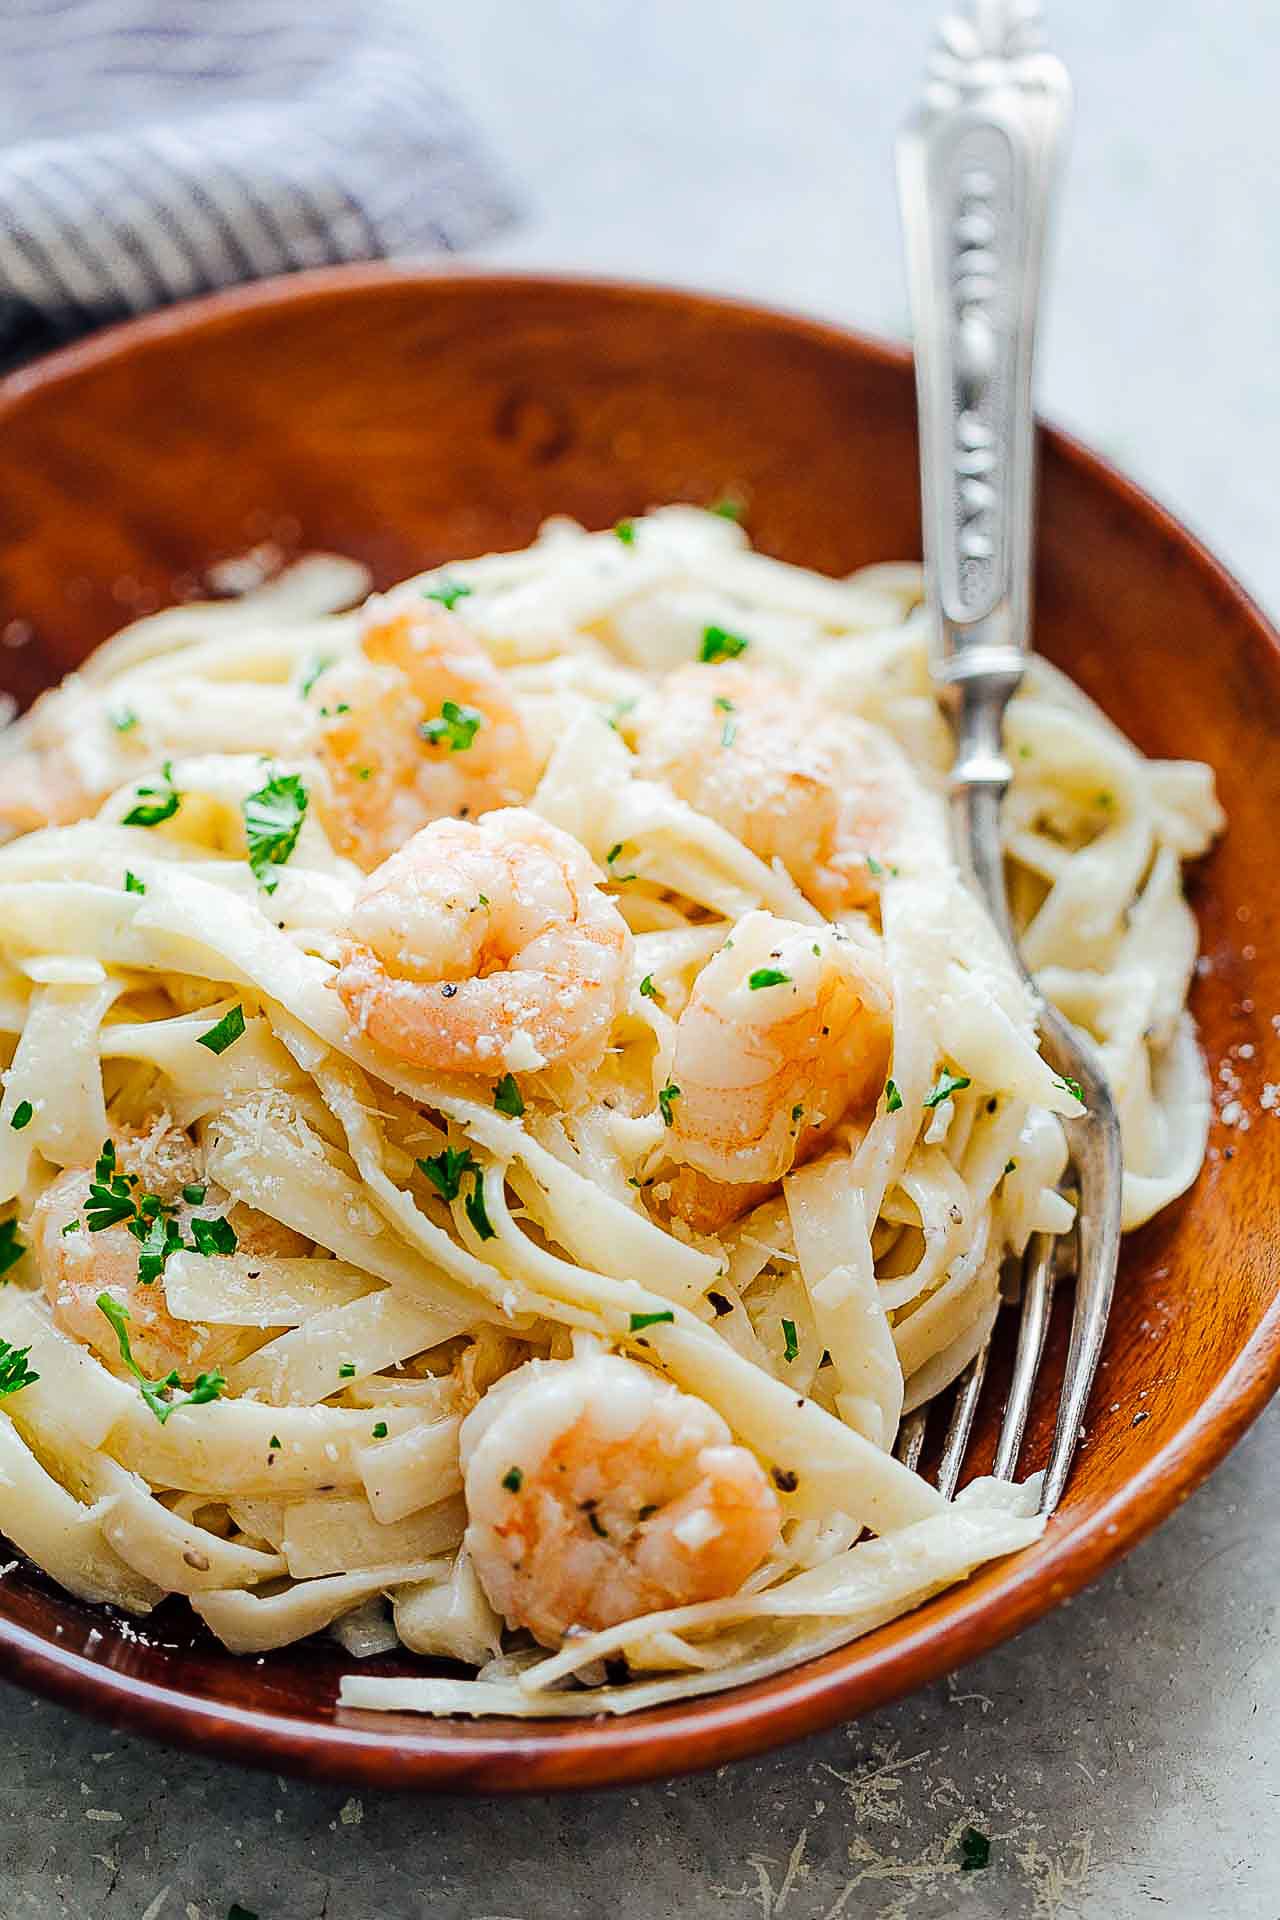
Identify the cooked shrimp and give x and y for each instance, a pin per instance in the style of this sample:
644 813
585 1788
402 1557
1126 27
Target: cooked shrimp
77 1265
787 1030
819 791
422 727
61 760
596 1491
484 946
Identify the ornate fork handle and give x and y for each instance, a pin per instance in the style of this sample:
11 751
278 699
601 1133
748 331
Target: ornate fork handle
976 171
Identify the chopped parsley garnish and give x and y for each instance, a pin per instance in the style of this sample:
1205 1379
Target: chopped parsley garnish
626 532
194 1196
513 1480
110 1199
1010 1166
274 1441
11 1248
641 1320
155 804
22 1114
455 726
321 664
507 1097
380 1430
729 731
1070 1086
214 1236
236 1912
719 644
892 1098
445 1171
797 1113
159 1237
873 867
609 859
273 818
945 1085
15 1374
647 989
729 507
448 592
667 1097
132 884
975 1850
619 711
208 1386
474 1208
347 1370
792 1346
221 1036
123 719
72 1226
767 977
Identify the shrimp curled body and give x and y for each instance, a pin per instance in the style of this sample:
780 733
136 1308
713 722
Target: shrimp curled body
596 1492
77 1265
819 790
787 1029
486 944
394 760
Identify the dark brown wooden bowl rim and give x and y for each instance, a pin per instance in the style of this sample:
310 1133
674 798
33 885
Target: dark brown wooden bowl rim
447 1755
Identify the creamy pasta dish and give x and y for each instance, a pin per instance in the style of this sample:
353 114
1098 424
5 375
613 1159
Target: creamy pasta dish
508 1098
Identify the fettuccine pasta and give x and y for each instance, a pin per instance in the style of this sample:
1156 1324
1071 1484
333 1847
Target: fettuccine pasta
508 1098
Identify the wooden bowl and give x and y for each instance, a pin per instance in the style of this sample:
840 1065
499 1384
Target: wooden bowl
408 417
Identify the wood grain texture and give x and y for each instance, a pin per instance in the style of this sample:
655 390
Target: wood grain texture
408 417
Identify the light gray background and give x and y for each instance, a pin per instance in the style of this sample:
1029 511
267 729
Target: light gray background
1122 1755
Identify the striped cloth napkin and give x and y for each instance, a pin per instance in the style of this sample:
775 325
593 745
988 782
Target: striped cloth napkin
154 149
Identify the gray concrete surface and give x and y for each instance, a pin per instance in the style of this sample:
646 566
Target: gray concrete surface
1122 1755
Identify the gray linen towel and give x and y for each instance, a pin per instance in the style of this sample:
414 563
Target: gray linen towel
153 150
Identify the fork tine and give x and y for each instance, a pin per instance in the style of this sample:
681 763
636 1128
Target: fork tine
910 1444
1095 1153
960 1425
1037 1298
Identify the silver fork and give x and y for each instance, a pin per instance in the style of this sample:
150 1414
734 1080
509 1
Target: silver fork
976 168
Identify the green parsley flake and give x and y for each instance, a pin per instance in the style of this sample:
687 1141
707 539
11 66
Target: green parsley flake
273 818
729 507
975 1850
1072 1087
474 1208
347 1370
667 1097
642 1320
321 664
132 884
22 1114
618 711
513 1480
797 1113
455 727
72 1226
448 592
225 1033
155 804
194 1196
647 989
892 1098
873 867
768 977
729 731
15 1374
1010 1166
214 1235
792 1347
445 1171
11 1248
208 1386
507 1097
626 532
158 1238
124 719
274 1441
719 644
380 1430
945 1085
